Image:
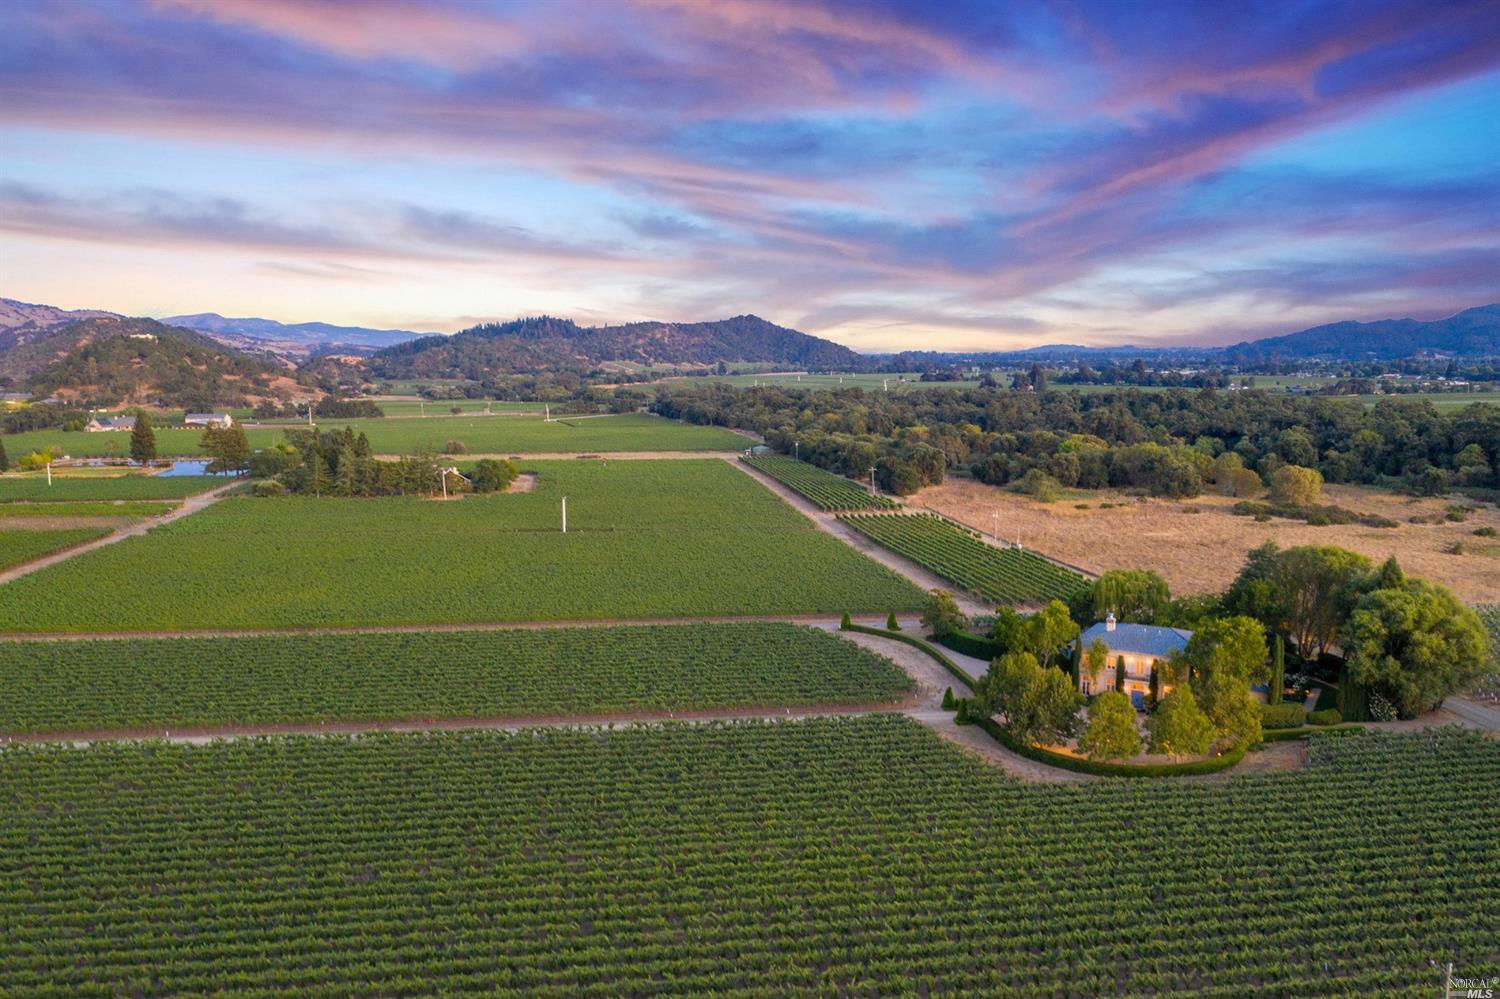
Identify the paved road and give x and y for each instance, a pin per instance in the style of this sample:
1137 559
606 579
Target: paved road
189 506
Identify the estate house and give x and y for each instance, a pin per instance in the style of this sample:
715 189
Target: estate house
208 420
1142 646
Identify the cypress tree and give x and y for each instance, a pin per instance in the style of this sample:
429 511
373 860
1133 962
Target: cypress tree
890 622
1120 673
4 459
844 624
948 699
1278 671
1155 684
1076 666
142 439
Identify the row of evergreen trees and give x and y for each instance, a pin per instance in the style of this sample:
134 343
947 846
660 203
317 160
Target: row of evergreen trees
339 463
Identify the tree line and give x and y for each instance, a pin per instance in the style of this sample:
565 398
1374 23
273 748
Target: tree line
1164 441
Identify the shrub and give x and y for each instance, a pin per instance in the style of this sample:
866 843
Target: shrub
1039 485
961 717
1283 715
455 447
1484 532
890 622
971 644
948 699
491 475
1293 485
844 623
269 487
1328 716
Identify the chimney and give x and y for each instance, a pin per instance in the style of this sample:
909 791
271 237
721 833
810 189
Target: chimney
1109 622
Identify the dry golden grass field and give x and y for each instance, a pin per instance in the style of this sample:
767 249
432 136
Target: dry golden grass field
1199 545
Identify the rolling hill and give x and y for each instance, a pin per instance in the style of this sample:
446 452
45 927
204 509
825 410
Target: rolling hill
110 361
546 343
1471 333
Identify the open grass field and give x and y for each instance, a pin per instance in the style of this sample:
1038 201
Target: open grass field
397 435
29 486
18 546
1199 546
857 856
824 489
1000 575
646 539
182 683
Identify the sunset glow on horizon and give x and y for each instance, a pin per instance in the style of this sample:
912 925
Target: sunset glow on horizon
890 175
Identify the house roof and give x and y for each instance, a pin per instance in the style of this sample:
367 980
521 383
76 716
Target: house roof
1139 639
205 416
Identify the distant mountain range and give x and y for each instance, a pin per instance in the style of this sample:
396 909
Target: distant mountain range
1471 333
297 340
545 343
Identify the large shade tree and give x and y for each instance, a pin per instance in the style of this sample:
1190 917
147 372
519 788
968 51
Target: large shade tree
1038 704
1416 642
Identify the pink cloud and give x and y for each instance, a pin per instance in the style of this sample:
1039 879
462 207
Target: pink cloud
459 36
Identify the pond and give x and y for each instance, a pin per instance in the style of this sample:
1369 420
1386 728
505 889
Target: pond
188 466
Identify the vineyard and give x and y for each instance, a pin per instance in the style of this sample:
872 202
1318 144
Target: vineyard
826 490
85 509
218 682
395 435
646 539
1488 687
1000 575
102 488
855 856
23 546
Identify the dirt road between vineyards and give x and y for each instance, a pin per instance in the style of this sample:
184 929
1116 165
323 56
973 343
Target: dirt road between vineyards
830 523
136 528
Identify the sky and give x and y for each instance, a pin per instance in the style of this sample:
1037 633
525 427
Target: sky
892 174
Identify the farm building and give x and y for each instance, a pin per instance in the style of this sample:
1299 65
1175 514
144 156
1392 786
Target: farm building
209 420
100 423
1142 646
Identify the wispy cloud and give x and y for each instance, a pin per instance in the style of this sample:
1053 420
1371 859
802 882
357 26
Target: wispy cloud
954 165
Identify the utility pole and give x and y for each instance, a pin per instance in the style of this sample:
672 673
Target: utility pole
565 515
546 413
796 449
872 480
995 525
445 483
49 473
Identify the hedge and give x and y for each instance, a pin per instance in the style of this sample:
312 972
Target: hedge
1288 734
1282 716
1101 769
970 644
1325 716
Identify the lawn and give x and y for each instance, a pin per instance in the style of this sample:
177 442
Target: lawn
28 486
645 539
179 683
23 546
405 435
857 856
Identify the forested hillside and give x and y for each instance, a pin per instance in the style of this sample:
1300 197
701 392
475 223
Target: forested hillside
110 362
546 343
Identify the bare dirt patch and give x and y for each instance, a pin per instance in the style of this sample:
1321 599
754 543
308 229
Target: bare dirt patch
1199 545
523 483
